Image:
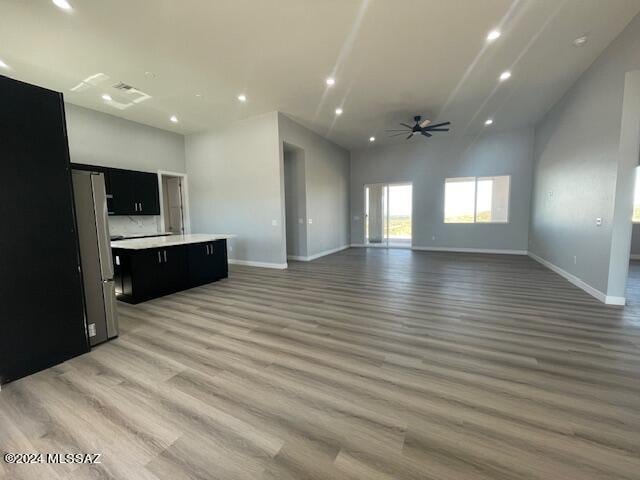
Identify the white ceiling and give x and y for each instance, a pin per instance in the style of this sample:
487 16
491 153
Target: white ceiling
391 59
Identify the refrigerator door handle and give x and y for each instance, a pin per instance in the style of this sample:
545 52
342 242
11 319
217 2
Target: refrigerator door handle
165 256
159 257
109 293
102 225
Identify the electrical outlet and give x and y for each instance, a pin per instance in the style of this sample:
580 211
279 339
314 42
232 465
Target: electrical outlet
310 221
598 222
92 329
274 223
575 260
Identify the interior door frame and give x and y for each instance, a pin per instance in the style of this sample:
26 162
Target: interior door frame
365 215
186 219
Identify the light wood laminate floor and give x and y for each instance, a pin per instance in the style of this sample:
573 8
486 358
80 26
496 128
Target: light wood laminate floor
366 364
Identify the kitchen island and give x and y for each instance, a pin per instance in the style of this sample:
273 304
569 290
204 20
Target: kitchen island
146 268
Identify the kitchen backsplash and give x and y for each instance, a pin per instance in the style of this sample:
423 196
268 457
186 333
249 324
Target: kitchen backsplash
125 225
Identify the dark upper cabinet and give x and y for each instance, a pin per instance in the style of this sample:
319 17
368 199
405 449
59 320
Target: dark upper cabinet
146 193
129 192
123 200
107 179
41 297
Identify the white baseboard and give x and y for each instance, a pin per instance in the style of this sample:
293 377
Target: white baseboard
317 255
447 249
250 263
610 300
594 292
472 250
380 245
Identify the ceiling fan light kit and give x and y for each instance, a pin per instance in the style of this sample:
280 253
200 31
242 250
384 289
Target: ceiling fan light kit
421 127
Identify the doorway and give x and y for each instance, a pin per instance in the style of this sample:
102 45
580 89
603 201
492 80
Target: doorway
295 201
388 215
174 211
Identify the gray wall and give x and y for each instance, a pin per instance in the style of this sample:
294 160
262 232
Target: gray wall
100 139
295 202
427 163
327 186
577 159
235 187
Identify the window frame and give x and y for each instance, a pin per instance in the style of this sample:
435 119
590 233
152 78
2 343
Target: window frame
475 200
635 186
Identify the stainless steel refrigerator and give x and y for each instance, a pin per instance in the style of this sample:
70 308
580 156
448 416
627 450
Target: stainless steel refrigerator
95 255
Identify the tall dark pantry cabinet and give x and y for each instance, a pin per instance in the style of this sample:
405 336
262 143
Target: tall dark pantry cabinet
41 299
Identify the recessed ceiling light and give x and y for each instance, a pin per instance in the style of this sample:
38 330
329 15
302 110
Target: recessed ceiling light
174 119
338 111
199 95
578 42
107 97
63 4
150 74
505 76
242 97
493 35
489 121
330 81
3 65
372 139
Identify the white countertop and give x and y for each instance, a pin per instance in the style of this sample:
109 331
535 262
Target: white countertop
131 236
170 241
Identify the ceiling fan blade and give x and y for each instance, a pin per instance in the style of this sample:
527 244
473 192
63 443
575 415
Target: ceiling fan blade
396 130
408 126
436 130
410 135
426 134
438 125
424 123
396 134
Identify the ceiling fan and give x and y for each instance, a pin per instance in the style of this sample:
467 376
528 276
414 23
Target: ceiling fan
422 127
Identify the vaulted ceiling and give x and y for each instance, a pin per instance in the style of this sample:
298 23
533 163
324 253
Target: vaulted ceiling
391 59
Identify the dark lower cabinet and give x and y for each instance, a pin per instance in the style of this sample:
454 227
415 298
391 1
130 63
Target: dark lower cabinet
141 275
207 262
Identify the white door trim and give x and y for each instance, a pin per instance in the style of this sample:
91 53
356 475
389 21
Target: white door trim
185 198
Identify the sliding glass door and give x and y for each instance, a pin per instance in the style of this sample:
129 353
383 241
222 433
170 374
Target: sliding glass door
388 214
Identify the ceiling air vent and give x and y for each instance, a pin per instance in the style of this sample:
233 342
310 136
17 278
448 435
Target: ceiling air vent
127 96
123 86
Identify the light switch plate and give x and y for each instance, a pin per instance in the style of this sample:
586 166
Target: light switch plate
274 223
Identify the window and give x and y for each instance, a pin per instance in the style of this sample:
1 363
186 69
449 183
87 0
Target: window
478 199
636 198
